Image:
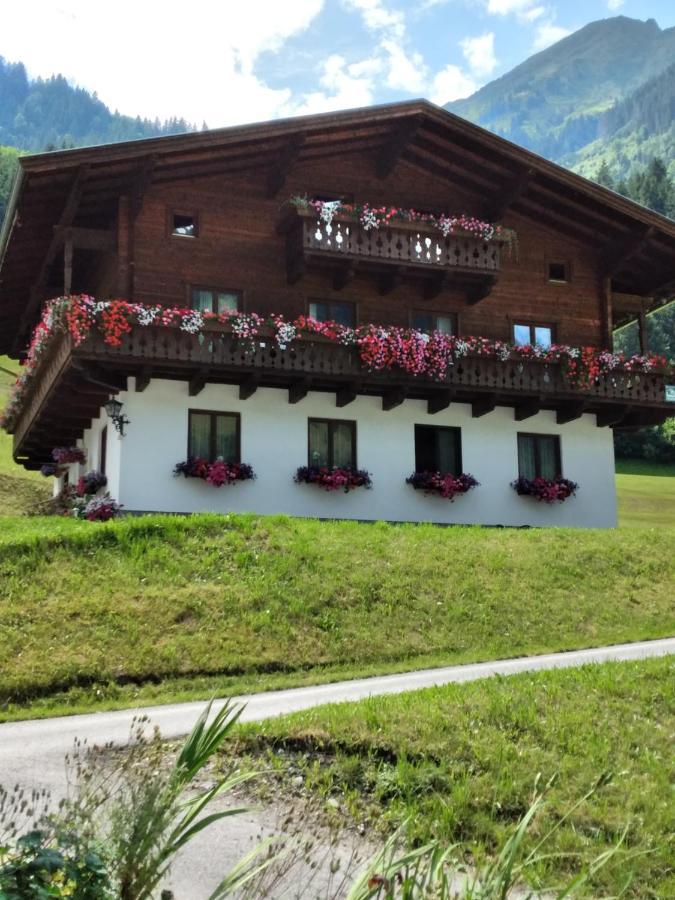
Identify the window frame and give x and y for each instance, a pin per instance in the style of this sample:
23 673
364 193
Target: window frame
191 213
213 413
458 445
453 316
556 261
213 291
331 423
532 324
353 304
537 455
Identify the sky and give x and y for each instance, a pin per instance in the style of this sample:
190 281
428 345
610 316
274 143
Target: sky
225 62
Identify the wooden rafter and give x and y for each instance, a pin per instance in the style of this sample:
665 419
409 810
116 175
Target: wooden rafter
287 158
617 255
501 202
395 146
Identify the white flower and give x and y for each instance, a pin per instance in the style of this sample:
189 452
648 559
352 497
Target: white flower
328 210
146 315
192 322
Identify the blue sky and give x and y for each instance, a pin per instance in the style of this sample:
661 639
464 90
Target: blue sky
227 62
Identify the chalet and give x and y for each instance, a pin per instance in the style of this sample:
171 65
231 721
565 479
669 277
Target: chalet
383 301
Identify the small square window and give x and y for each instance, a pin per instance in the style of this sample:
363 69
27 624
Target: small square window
214 435
438 449
557 271
184 224
332 443
429 321
339 311
209 300
539 456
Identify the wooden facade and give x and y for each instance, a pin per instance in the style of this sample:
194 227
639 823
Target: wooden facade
100 221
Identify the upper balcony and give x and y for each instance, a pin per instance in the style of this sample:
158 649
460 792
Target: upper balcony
397 251
69 382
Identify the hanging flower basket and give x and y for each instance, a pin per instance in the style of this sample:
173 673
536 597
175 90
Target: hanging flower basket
54 469
216 473
550 490
442 484
67 455
335 479
90 483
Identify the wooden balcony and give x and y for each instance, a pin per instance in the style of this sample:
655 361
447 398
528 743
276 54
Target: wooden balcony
72 383
403 251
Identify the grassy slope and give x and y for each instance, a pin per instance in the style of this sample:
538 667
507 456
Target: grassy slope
260 601
646 493
19 490
461 760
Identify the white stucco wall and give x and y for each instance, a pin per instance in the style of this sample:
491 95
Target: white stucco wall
274 442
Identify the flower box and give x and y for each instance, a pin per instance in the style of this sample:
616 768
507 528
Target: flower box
550 490
67 455
217 473
334 479
442 484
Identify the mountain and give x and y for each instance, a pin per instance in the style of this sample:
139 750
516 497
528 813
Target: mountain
606 92
43 114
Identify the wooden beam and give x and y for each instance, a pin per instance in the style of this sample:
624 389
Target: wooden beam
395 146
570 412
298 390
439 402
483 406
143 380
479 291
500 204
612 416
111 382
346 395
389 280
91 238
643 335
343 273
393 398
435 284
606 313
617 255
124 246
140 185
68 265
197 382
277 175
527 409
248 387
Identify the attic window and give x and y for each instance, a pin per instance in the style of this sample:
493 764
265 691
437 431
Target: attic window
557 271
184 224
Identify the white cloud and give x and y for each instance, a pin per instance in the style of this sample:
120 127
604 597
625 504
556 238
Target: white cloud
451 83
479 52
548 34
531 15
405 72
505 7
345 86
377 17
613 5
201 65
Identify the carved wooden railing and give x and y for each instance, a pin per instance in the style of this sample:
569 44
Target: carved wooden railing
221 352
400 243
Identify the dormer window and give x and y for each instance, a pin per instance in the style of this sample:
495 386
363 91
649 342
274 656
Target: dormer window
184 224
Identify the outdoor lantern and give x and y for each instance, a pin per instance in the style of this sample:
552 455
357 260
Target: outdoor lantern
114 409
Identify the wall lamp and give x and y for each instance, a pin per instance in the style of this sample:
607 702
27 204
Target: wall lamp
114 410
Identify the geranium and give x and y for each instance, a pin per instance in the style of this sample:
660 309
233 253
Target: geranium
115 321
333 479
549 490
216 473
443 484
90 483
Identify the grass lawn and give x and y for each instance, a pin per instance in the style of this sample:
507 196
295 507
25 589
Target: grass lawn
460 763
157 608
646 493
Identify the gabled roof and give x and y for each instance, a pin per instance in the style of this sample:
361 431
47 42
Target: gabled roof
636 244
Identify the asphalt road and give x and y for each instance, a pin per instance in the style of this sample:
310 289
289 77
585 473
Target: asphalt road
32 752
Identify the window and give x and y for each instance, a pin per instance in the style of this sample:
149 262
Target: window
332 442
339 311
429 321
438 449
214 435
557 271
539 456
183 224
207 300
526 333
103 450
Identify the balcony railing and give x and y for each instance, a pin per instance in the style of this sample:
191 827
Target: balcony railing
407 248
317 363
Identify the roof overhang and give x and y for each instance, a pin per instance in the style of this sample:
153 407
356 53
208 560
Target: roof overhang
637 246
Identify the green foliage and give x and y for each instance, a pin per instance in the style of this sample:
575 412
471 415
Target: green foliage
135 608
484 744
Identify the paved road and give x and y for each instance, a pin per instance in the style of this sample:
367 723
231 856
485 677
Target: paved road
32 752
